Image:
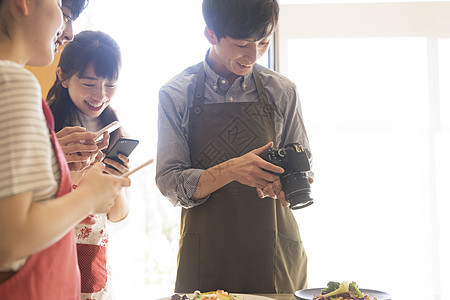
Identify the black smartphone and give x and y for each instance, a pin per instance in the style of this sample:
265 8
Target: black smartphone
123 146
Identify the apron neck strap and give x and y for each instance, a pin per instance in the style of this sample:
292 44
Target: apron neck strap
65 184
259 86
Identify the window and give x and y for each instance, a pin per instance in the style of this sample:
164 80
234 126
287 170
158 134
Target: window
374 85
373 81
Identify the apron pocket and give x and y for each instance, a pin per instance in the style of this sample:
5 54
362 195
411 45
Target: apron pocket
188 264
92 263
291 263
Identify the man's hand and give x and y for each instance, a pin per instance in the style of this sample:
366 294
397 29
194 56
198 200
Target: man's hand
250 169
275 190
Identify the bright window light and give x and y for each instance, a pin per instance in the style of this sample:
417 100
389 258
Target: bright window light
365 102
381 160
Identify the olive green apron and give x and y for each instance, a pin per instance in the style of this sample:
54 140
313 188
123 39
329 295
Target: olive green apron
236 241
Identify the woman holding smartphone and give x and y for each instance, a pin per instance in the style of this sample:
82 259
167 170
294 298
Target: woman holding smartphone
37 212
86 82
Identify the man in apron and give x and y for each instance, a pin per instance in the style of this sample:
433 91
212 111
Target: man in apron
215 118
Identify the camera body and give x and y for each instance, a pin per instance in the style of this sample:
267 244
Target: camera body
295 162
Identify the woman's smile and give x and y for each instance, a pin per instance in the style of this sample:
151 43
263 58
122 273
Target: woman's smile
94 106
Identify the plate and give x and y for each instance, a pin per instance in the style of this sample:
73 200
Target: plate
244 296
308 294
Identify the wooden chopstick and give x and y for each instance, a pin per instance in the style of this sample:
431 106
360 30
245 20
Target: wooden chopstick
137 168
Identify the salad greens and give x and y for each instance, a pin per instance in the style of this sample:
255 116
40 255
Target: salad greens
343 288
337 291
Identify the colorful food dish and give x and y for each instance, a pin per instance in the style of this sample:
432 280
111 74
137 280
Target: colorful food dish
342 291
216 295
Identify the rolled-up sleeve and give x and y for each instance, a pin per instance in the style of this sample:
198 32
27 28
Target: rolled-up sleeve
174 176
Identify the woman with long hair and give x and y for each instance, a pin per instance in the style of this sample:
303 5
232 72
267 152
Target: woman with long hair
86 82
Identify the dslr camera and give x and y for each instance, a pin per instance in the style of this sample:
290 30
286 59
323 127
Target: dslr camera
295 162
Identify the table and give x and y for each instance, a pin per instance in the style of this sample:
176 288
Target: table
279 296
272 296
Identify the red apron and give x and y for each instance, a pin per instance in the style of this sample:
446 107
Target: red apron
92 264
53 272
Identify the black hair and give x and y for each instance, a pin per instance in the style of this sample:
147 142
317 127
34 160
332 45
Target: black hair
88 48
6 19
241 19
76 7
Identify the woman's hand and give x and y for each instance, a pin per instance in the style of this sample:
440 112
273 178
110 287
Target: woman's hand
101 187
115 168
29 226
79 147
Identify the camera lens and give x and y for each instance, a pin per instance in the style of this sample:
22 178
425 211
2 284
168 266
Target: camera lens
295 182
297 189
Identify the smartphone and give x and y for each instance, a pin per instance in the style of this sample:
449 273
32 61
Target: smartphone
108 128
123 146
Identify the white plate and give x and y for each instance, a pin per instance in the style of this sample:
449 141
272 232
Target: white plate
244 296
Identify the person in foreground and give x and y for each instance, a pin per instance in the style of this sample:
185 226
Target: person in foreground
37 212
86 82
215 119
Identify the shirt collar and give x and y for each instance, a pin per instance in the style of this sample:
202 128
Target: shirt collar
217 82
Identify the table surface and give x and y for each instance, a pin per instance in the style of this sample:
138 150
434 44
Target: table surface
271 296
280 296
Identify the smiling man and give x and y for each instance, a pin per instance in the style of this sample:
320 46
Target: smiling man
215 118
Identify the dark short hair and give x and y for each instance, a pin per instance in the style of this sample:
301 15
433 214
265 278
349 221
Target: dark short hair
77 7
241 19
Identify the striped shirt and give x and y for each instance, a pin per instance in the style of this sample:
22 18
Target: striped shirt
27 158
